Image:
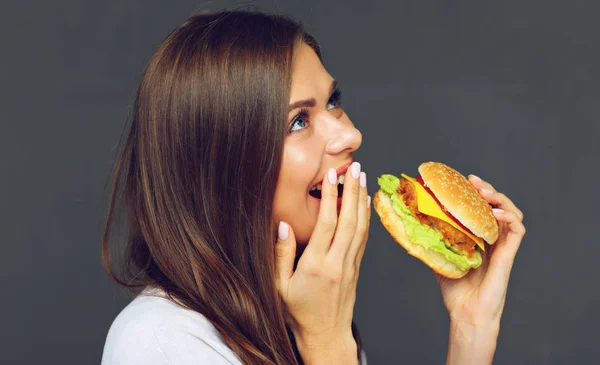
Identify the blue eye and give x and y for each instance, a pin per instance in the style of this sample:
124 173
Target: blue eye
300 122
335 99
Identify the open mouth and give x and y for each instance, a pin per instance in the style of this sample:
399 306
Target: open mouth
315 191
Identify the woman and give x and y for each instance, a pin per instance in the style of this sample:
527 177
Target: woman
236 256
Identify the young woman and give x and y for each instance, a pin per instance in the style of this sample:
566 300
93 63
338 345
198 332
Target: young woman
235 255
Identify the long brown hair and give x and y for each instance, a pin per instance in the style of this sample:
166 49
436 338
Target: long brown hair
197 175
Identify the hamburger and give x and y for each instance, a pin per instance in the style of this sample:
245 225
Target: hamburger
438 217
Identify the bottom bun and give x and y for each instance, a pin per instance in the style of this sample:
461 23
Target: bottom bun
392 223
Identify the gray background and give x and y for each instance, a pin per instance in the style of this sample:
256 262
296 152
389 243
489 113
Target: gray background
506 90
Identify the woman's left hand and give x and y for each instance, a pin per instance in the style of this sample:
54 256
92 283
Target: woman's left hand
475 302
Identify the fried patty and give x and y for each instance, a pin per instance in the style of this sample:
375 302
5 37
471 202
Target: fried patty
453 236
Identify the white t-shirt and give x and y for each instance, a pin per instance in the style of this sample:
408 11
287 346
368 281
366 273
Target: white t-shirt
152 330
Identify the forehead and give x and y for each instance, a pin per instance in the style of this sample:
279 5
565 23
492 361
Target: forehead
309 77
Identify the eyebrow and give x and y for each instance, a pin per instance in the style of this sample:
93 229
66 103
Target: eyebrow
310 103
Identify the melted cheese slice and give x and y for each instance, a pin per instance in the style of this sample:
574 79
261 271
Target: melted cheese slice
428 206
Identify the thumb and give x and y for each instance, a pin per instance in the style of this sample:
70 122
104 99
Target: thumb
285 251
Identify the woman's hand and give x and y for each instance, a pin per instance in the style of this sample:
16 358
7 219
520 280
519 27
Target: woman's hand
476 301
320 294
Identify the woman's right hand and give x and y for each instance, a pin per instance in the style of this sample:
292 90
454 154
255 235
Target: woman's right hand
319 295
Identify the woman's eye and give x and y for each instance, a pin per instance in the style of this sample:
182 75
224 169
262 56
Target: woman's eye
300 122
335 99
334 102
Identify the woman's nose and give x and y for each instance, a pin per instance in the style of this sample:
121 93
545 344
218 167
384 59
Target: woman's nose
343 138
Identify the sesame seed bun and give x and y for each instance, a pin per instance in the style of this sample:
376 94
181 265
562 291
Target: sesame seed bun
461 199
393 224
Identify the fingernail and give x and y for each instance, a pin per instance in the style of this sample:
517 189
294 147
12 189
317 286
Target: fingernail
497 210
477 178
487 191
368 200
363 180
283 231
332 176
355 170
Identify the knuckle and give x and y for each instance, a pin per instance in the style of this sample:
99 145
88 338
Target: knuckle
518 230
356 271
359 233
329 223
357 262
361 227
364 199
349 223
350 272
329 193
356 267
353 188
335 274
281 251
313 270
522 230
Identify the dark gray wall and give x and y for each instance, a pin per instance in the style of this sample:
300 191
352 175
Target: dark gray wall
506 90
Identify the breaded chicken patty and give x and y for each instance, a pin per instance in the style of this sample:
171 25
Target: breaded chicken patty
453 236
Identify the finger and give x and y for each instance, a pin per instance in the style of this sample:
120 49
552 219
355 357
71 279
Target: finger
501 201
363 246
362 221
285 252
347 221
322 235
479 183
505 250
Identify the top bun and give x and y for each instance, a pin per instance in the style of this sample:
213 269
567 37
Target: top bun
461 199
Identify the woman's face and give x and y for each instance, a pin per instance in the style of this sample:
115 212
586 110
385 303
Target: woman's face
320 136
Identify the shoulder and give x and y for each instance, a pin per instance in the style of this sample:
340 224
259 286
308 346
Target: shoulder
153 330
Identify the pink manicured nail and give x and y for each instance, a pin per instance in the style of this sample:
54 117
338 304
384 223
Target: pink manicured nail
497 210
355 170
363 180
332 176
283 231
487 191
477 178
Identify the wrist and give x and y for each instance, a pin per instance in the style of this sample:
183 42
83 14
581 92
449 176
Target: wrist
331 349
472 344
